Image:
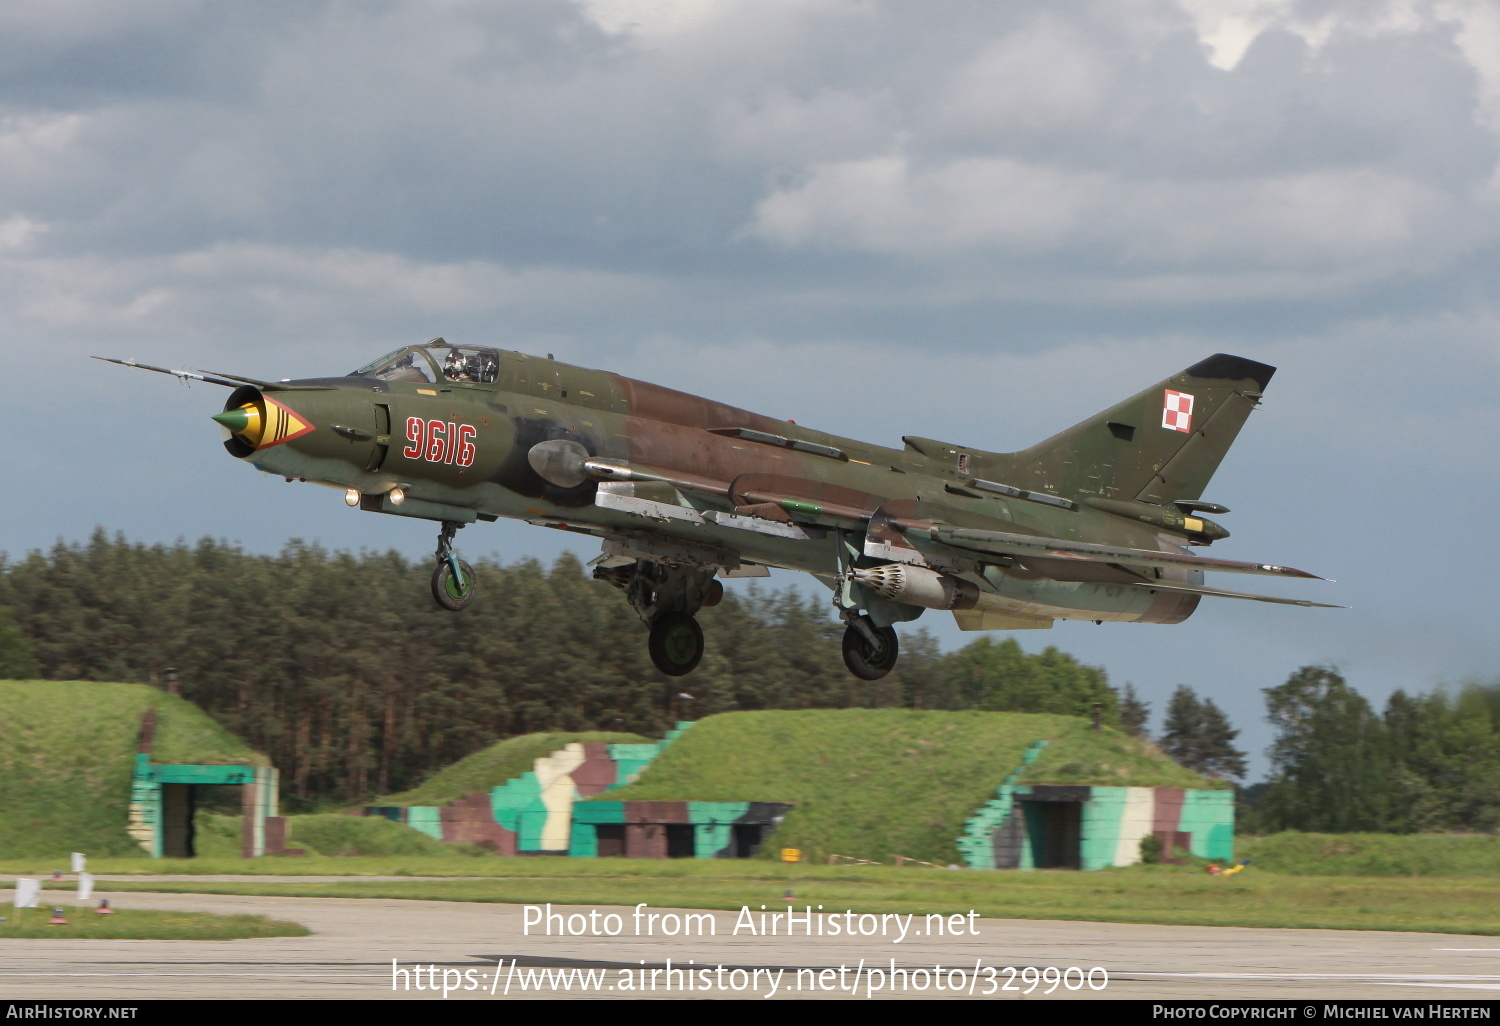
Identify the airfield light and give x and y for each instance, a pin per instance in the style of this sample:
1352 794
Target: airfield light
351 497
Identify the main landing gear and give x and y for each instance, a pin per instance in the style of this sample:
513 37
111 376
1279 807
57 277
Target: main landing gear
453 580
871 647
666 597
870 652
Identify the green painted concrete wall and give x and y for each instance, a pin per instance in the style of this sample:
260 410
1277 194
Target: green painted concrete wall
1209 817
1102 815
426 818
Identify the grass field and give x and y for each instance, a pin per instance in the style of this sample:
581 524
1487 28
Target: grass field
875 782
139 924
1146 894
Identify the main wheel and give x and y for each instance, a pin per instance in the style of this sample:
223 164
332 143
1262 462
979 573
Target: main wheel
676 644
864 661
451 593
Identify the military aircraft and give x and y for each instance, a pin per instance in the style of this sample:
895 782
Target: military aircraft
1094 523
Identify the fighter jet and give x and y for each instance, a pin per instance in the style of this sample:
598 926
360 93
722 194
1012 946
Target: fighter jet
1095 523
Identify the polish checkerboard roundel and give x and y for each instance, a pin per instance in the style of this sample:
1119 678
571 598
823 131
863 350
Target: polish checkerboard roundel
1177 411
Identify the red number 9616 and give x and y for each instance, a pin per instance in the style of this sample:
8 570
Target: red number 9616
439 441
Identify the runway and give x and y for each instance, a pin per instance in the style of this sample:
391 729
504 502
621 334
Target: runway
354 942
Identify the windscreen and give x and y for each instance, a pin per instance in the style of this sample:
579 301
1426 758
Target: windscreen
402 365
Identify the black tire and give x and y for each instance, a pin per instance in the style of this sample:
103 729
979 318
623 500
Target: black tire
865 662
676 644
449 593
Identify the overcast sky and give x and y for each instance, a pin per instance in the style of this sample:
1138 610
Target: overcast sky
962 220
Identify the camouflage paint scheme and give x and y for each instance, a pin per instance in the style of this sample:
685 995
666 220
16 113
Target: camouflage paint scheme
1094 523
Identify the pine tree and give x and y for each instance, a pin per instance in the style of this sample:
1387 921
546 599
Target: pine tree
1134 713
15 651
1197 735
1331 761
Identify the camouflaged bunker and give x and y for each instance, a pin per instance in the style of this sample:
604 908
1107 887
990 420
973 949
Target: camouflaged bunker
121 769
984 790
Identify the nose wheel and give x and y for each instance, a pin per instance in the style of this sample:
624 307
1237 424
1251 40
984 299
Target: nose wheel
453 581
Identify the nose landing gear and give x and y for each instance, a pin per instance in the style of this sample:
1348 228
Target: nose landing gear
453 583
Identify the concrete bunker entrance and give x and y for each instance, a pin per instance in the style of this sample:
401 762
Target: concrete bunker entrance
180 805
747 837
1053 818
165 799
680 841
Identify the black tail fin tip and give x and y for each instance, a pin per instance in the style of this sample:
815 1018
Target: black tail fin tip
1232 368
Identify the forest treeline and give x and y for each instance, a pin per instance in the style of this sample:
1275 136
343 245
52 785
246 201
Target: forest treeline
340 668
1428 763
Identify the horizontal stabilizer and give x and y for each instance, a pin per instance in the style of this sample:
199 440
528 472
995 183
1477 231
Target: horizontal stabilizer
1003 543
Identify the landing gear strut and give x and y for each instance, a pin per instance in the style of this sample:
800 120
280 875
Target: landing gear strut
871 647
666 597
870 652
453 582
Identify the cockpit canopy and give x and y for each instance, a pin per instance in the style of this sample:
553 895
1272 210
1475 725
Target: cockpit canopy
437 359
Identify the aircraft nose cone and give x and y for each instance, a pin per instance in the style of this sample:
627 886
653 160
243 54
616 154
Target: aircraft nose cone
245 422
235 420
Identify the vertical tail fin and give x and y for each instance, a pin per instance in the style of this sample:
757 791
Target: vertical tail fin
1159 445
